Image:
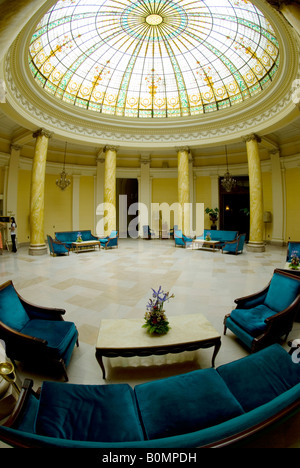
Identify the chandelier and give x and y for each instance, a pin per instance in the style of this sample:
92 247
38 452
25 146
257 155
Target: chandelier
63 182
228 182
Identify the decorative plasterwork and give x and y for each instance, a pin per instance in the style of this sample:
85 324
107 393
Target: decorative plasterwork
28 104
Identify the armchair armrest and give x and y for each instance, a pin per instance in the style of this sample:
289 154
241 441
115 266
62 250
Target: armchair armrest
20 338
20 406
46 313
247 302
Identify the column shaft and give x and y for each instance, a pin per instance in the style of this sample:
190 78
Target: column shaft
37 237
110 189
256 242
183 191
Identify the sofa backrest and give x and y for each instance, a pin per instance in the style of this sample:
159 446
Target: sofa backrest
12 312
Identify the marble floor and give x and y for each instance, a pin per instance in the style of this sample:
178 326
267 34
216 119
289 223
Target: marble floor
117 283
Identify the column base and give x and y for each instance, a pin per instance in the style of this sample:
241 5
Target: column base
40 249
256 246
277 242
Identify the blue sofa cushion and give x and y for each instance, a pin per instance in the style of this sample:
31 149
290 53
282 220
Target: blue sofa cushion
105 413
260 377
58 333
12 312
185 403
252 320
282 292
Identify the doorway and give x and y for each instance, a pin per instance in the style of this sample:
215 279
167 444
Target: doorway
235 207
127 195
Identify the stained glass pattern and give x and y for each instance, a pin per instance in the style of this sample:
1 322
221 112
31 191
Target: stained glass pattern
154 58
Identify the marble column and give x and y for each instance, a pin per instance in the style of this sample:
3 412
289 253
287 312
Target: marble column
12 183
290 9
110 189
183 155
13 17
256 242
37 237
145 192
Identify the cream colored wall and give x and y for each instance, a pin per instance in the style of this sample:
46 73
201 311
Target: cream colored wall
292 204
87 203
203 195
58 207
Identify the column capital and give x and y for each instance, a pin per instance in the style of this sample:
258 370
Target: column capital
182 148
110 148
42 132
251 137
15 147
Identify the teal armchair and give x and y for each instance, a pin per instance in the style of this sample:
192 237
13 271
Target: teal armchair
56 247
35 334
236 246
110 241
181 240
261 319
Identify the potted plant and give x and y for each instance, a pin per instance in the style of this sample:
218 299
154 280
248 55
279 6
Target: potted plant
213 216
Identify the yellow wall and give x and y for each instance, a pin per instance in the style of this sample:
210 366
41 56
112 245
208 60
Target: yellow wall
23 209
87 203
268 202
58 207
292 205
203 195
165 191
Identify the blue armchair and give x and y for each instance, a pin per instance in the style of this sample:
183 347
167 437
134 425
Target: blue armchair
235 246
56 247
110 241
181 240
35 334
261 319
147 233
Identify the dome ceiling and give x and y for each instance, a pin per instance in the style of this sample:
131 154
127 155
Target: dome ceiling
154 58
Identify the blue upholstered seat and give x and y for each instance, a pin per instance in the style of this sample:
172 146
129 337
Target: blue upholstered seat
262 318
33 333
236 246
110 241
56 247
181 240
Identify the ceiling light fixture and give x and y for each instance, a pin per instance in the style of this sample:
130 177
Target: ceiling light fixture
228 182
63 182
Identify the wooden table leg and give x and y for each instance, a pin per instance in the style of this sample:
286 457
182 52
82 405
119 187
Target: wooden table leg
99 358
216 350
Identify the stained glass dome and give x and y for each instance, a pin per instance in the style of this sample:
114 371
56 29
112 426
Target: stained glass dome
154 58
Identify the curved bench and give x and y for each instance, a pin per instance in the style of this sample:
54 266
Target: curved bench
203 408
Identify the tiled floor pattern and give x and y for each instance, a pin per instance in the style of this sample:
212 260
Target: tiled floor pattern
117 283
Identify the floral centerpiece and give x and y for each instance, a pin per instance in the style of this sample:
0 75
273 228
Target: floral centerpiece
155 317
294 261
79 237
208 236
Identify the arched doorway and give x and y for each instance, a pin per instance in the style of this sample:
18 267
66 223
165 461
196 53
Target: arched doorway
235 207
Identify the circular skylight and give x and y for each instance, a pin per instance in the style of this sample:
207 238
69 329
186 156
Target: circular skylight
154 58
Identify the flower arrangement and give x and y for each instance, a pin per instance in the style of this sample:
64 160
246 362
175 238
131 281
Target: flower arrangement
208 236
294 261
79 238
156 320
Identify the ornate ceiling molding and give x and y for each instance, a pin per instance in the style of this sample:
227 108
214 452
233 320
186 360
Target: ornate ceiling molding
27 103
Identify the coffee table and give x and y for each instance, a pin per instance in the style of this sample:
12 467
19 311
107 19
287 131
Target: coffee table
127 338
205 244
85 246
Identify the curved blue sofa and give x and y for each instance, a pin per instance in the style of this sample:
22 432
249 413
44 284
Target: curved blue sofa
204 408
